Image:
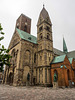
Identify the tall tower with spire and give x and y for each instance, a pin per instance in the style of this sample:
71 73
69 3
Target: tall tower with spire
45 46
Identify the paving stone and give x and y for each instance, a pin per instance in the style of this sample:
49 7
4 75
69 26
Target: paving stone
35 93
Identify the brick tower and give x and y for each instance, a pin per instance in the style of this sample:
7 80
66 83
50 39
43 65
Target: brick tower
24 23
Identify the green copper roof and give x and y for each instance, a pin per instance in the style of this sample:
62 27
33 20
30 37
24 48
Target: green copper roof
59 59
70 60
64 46
27 36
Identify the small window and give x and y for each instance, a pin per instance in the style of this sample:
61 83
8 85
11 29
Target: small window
25 28
29 38
35 58
55 72
48 28
14 54
68 74
41 36
47 36
40 29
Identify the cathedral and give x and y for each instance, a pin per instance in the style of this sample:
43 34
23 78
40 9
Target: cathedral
34 60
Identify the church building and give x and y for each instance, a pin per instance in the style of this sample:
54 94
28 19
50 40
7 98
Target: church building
34 60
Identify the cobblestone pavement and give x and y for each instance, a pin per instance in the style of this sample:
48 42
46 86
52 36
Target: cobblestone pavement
35 93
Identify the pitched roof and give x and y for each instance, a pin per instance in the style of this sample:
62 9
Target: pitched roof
26 36
58 52
58 59
44 13
71 54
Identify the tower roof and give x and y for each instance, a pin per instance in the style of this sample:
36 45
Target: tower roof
65 50
44 15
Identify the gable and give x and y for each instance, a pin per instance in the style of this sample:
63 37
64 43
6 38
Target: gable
15 39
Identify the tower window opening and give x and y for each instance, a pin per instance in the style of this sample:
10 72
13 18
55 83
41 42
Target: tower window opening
41 36
40 29
47 36
48 29
25 28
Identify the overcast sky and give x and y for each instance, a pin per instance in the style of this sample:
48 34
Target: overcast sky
61 12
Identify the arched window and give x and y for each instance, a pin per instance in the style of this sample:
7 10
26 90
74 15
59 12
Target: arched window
56 73
41 28
68 74
41 36
48 36
45 75
25 28
48 29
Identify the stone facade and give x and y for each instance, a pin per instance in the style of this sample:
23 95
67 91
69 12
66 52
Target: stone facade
32 57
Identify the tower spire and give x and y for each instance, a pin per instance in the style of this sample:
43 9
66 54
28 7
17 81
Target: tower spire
43 5
65 50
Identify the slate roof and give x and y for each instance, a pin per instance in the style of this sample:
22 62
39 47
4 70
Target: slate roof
26 36
58 59
71 54
44 13
58 52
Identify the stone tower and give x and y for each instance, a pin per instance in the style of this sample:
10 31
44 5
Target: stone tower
24 23
45 45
